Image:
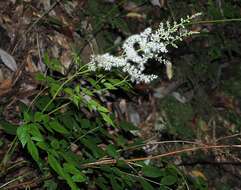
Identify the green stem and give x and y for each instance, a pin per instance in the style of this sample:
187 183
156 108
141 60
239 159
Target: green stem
114 85
9 153
36 97
58 108
220 21
63 84
79 138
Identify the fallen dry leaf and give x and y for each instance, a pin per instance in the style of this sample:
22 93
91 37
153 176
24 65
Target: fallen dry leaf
8 60
5 86
197 173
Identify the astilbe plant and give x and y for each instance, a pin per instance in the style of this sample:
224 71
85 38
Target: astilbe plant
152 45
59 118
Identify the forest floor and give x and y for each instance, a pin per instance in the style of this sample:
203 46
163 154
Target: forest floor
201 103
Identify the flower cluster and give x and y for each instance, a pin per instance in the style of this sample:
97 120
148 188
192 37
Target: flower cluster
139 48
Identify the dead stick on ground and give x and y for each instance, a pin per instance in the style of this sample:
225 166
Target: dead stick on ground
113 161
228 137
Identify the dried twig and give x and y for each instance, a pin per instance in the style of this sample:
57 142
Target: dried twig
228 137
113 161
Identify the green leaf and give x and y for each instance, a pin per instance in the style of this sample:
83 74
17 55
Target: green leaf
121 141
50 185
37 139
69 91
70 157
8 127
87 91
127 126
27 117
42 101
53 64
109 86
85 123
78 176
55 165
55 144
96 151
33 150
92 105
151 171
115 185
102 109
68 121
54 88
76 100
107 119
119 23
111 150
23 135
33 129
70 168
145 185
55 125
38 116
43 145
114 81
102 183
169 180
40 77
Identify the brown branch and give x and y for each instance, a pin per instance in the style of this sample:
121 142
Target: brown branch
32 183
113 161
161 143
228 137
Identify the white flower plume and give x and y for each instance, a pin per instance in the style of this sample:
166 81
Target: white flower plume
151 45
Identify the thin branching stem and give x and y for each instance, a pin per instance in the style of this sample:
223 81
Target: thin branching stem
219 21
